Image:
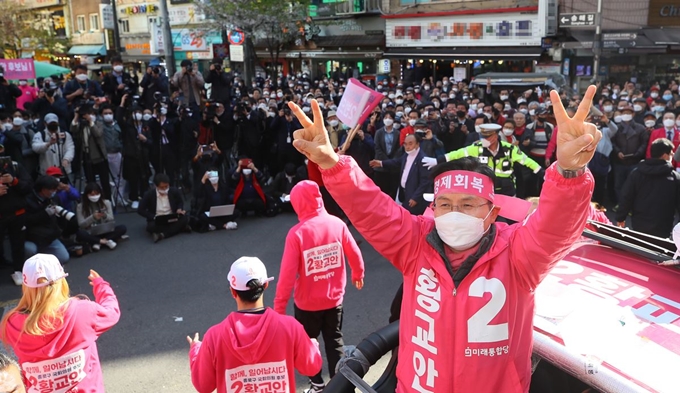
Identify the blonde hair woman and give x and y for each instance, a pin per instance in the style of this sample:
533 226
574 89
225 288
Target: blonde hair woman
53 334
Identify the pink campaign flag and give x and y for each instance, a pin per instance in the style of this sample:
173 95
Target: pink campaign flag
357 103
18 69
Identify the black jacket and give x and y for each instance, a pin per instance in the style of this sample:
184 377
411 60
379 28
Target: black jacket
631 140
8 97
15 199
110 87
41 228
281 185
220 90
652 194
381 148
147 207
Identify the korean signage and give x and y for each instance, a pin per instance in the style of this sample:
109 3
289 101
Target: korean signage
108 19
236 53
18 68
142 9
30 4
59 23
190 40
503 29
157 42
664 13
138 48
582 19
185 14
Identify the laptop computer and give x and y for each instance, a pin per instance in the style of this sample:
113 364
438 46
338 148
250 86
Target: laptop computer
221 211
101 229
166 219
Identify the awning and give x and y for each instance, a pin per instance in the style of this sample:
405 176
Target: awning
92 50
635 39
135 58
352 41
516 53
320 54
663 36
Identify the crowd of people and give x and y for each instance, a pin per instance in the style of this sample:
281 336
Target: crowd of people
77 151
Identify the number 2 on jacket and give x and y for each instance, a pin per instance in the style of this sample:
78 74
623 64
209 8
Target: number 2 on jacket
479 328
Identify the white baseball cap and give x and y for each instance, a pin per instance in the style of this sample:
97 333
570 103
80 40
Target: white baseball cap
246 269
42 266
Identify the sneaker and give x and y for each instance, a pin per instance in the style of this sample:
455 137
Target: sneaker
123 238
231 225
18 278
96 247
158 237
135 205
211 227
111 244
315 388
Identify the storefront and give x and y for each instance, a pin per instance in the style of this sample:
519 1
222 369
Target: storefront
466 43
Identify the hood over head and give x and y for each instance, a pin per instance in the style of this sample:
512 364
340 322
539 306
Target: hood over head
306 199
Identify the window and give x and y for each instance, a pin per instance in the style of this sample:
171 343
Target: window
80 22
94 22
124 26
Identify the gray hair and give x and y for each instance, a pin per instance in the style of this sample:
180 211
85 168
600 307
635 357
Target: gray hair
6 361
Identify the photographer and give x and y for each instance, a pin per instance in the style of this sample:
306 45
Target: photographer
66 195
42 228
248 132
165 148
220 81
54 146
153 82
136 144
187 128
283 126
88 135
248 193
81 88
118 82
50 102
15 185
190 83
223 128
9 93
11 136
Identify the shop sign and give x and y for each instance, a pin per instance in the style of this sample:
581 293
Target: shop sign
384 66
157 43
139 9
138 48
664 13
503 29
59 23
108 19
236 53
189 40
30 4
185 14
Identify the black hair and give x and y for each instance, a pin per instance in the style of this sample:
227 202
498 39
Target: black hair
90 207
465 104
161 178
116 59
470 164
81 67
104 107
660 147
391 113
669 111
254 292
511 122
45 182
289 169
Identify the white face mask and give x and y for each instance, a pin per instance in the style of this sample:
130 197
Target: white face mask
94 198
279 94
677 123
18 121
23 83
138 116
411 152
637 108
532 112
524 110
650 123
118 68
669 123
108 118
306 109
163 192
81 77
407 110
608 108
412 122
247 171
478 128
508 131
460 231
399 101
334 123
388 122
617 119
93 118
659 108
7 126
503 98
654 95
146 117
485 142
164 111
400 114
627 117
214 179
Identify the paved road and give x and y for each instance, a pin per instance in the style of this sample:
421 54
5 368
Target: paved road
186 277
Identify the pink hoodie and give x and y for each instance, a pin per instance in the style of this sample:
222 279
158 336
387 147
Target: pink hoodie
471 332
314 257
67 359
250 352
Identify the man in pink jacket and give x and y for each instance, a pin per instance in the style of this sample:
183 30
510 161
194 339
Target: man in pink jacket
254 349
314 261
467 313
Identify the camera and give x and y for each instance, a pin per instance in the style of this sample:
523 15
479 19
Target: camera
6 166
63 213
210 110
63 180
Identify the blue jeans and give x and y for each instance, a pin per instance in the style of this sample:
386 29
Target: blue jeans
55 248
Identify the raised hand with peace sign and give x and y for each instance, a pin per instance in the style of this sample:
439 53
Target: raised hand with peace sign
312 140
576 139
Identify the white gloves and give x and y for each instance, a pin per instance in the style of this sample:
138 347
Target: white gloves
429 162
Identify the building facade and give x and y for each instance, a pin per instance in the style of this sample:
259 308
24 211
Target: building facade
87 36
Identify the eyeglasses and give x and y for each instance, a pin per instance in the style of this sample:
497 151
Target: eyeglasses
466 208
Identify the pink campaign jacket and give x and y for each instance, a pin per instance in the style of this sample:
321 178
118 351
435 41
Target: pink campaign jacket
475 336
250 352
66 360
314 257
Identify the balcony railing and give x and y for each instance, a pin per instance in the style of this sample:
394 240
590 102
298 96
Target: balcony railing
358 7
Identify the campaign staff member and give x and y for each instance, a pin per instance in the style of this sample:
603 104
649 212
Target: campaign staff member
255 349
51 332
466 320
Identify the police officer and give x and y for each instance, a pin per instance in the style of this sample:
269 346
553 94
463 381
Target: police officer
500 155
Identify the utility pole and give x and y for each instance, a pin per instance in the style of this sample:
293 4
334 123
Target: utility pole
167 39
597 43
116 32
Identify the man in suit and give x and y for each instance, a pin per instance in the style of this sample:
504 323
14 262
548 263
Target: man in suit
386 148
162 201
415 178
